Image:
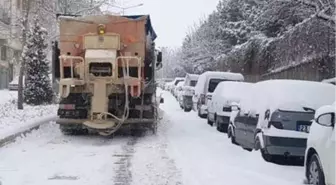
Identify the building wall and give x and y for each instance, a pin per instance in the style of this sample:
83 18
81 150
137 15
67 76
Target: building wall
10 46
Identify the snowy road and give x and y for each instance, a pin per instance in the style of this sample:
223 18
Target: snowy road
185 151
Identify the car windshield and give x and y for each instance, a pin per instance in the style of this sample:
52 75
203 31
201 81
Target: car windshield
213 84
193 83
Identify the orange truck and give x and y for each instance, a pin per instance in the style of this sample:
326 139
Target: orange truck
105 67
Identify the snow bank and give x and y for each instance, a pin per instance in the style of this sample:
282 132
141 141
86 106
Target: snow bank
290 95
6 96
12 119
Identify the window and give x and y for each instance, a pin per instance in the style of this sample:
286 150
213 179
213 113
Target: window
193 83
213 84
3 53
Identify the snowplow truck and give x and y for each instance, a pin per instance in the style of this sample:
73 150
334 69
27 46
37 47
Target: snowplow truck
105 68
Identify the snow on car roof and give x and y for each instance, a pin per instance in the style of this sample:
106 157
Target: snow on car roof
202 80
290 95
192 76
228 75
180 83
230 91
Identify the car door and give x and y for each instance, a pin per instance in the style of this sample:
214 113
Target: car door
251 126
240 127
331 156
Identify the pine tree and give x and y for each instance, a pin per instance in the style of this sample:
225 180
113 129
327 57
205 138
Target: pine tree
38 88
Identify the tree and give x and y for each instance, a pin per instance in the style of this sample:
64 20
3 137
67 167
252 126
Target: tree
38 88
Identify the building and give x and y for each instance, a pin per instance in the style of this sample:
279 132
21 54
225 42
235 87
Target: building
10 46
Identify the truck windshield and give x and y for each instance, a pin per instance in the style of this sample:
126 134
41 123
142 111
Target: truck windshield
193 83
213 84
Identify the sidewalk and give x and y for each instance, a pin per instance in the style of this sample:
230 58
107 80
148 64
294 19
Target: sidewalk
13 121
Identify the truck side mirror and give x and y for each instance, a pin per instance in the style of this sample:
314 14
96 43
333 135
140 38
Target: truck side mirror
159 57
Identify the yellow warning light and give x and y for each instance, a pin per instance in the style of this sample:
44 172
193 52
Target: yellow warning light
101 29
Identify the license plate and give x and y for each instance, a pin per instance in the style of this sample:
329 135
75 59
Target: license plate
303 128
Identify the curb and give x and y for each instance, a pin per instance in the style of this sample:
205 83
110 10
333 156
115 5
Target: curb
10 138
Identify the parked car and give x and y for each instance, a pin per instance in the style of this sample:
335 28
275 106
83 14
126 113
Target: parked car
320 152
188 90
219 107
206 84
178 89
330 80
173 84
275 116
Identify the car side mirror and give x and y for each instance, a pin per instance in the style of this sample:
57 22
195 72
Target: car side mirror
161 100
327 119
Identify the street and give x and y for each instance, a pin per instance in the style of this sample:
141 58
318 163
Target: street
185 151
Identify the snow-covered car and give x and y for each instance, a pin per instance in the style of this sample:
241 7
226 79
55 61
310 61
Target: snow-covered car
330 80
188 90
320 152
206 84
172 85
178 89
219 107
275 116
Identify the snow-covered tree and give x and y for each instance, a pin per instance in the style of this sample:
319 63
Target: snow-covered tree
38 88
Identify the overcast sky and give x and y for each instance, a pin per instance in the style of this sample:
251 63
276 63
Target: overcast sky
171 19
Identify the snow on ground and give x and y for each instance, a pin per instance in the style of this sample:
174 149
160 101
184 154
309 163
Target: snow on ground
12 119
6 96
46 157
185 151
208 157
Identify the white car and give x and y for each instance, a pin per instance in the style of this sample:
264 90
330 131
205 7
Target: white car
173 84
206 84
320 151
219 107
178 89
188 90
275 117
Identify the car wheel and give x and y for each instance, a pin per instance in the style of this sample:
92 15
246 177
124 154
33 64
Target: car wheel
267 157
209 122
233 138
186 109
257 144
315 172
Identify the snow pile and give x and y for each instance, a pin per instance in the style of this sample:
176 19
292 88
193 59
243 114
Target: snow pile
6 96
12 119
290 95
